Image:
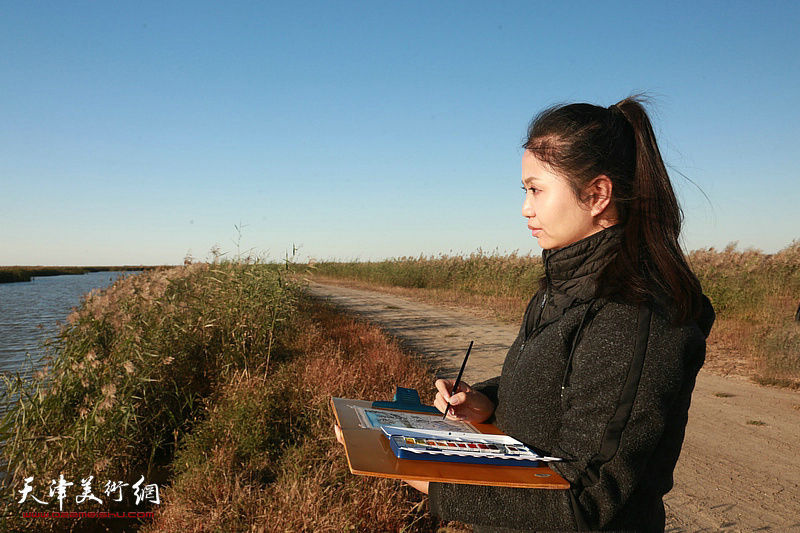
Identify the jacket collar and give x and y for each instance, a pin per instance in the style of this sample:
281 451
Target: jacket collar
572 271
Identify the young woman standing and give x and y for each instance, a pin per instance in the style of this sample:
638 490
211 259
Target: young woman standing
603 369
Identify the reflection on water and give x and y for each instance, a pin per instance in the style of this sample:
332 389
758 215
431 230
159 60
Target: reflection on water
31 312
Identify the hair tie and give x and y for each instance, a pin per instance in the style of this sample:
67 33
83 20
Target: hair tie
615 110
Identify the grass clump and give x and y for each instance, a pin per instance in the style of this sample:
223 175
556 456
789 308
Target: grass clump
265 458
128 376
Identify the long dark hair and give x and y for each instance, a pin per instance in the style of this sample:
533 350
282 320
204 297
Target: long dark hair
583 141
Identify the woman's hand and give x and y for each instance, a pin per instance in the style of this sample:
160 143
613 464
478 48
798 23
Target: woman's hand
421 486
466 404
337 430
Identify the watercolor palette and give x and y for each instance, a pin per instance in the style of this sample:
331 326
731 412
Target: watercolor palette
460 447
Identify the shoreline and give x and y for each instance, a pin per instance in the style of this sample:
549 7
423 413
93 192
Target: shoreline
15 274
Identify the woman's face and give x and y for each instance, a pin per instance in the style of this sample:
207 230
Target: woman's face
555 216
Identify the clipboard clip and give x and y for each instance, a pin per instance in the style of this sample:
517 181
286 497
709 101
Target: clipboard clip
406 400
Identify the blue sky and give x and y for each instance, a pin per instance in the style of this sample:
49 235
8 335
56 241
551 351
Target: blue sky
140 132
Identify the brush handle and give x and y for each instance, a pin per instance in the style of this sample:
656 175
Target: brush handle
458 378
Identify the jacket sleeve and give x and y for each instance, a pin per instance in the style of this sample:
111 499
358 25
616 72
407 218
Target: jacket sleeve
617 410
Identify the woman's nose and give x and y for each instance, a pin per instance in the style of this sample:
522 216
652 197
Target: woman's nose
527 206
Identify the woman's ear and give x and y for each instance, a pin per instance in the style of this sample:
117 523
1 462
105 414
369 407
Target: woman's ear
598 194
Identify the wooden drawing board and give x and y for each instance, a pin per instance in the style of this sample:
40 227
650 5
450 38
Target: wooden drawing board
368 453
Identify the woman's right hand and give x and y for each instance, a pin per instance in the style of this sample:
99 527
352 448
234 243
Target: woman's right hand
466 404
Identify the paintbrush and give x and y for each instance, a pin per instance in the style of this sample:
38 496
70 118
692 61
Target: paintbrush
458 379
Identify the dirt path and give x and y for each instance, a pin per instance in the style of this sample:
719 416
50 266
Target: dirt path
740 465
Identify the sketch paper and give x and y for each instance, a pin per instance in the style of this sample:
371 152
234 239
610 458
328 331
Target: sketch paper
376 418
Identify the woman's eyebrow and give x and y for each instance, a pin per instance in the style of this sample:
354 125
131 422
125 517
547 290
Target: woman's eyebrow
529 179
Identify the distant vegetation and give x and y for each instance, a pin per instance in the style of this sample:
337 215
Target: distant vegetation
755 296
498 286
11 274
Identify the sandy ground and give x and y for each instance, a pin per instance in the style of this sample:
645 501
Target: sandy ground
740 465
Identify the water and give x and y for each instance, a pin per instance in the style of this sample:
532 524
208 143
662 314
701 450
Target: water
32 312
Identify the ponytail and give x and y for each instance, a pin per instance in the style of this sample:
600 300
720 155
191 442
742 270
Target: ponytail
583 141
650 245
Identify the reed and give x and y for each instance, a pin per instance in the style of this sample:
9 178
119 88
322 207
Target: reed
756 296
496 286
131 371
265 459
477 273
214 382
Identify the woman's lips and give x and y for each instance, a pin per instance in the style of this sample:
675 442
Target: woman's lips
535 231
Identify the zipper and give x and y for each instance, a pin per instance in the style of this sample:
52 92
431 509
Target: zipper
530 333
536 326
575 340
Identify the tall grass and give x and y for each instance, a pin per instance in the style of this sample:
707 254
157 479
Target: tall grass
478 273
266 460
495 285
754 294
129 375
213 382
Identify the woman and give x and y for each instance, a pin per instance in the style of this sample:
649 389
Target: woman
602 371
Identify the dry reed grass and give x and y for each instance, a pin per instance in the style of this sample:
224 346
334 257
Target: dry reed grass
211 380
489 285
127 377
755 296
236 477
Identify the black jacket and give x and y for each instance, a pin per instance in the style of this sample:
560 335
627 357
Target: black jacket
606 386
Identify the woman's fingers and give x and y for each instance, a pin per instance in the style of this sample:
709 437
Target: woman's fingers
337 430
443 400
466 404
443 387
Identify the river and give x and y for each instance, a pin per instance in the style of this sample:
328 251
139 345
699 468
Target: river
33 311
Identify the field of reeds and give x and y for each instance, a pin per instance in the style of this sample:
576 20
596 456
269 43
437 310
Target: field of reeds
755 296
211 383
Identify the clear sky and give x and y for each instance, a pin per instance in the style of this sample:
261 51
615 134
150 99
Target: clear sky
140 132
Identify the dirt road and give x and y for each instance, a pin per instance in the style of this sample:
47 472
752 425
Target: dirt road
740 465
